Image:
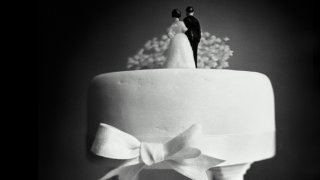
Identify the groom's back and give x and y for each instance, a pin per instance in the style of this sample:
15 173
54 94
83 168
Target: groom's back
193 26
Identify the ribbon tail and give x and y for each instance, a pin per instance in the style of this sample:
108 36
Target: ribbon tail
195 168
188 171
128 170
189 138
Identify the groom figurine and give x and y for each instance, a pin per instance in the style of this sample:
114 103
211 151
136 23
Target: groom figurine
194 31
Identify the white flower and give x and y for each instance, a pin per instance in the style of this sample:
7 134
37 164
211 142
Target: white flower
200 64
214 64
224 64
207 34
226 39
140 52
164 37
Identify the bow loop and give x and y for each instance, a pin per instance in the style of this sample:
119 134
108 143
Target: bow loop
113 143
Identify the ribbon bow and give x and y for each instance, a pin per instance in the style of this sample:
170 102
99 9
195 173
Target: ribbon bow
180 153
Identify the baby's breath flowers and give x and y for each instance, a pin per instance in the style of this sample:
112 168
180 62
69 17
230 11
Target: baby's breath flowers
213 53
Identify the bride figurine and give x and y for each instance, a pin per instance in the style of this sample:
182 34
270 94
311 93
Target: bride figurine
180 54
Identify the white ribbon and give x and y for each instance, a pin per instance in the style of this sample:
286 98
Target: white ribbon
180 153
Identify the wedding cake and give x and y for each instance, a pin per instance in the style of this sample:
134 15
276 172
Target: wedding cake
232 110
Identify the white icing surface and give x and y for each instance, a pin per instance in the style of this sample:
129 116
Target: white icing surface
235 108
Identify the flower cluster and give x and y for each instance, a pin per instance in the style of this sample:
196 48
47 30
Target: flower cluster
213 53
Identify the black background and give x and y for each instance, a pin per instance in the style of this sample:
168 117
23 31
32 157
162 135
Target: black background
78 40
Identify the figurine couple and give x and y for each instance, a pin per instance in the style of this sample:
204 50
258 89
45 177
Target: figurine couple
185 36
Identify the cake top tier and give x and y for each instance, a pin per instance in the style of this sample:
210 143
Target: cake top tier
167 101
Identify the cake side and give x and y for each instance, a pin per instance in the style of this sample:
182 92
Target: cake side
235 108
168 101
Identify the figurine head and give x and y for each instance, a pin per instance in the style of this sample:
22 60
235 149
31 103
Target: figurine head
176 13
190 11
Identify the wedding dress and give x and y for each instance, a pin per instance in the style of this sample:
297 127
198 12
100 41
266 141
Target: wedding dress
180 54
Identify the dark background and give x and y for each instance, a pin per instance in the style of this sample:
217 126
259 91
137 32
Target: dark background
78 40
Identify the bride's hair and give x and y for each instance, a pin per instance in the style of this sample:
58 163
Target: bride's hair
176 13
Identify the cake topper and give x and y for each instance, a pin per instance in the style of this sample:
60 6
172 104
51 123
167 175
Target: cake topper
180 54
212 52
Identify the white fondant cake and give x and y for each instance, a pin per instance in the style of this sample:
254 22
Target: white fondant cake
235 108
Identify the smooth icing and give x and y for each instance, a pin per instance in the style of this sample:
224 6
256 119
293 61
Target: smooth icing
235 108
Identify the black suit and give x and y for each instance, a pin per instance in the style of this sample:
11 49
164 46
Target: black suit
193 33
